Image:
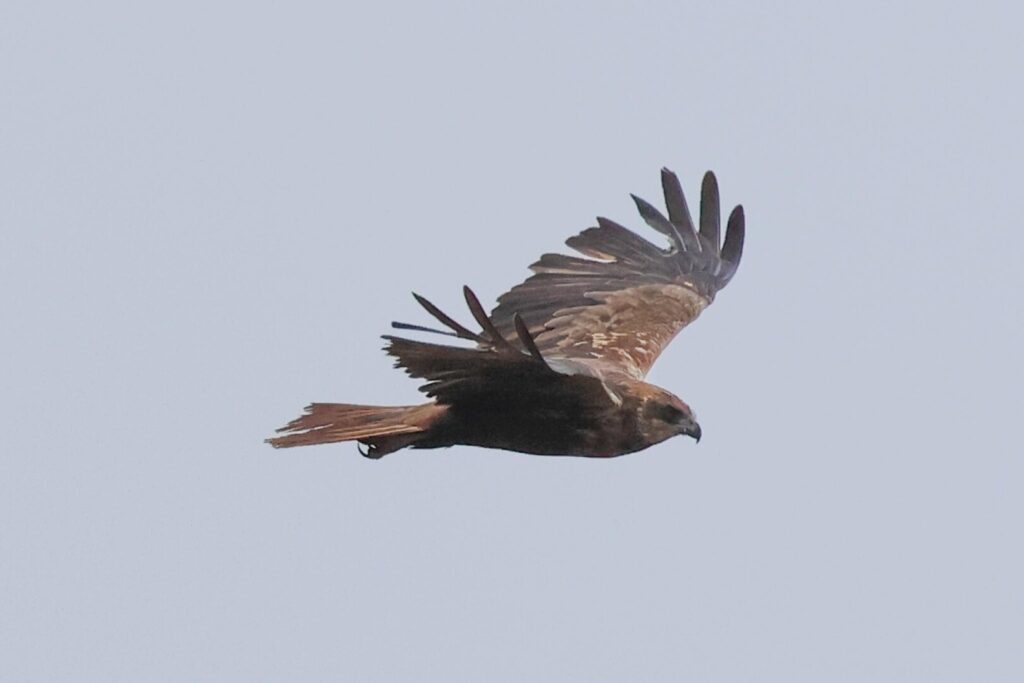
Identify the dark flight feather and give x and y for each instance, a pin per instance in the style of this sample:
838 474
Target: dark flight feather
710 221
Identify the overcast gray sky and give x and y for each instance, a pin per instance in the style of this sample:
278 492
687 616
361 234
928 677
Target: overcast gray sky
210 211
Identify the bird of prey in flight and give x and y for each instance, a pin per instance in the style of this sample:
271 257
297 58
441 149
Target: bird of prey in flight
558 367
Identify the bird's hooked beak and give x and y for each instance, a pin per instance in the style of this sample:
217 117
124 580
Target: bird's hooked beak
693 429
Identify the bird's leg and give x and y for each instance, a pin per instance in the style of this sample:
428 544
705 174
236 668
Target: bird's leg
370 452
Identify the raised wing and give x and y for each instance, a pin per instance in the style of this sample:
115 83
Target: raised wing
617 309
499 372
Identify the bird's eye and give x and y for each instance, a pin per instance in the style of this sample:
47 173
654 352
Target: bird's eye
665 412
671 414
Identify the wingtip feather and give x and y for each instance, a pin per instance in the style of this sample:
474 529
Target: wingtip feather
710 212
735 232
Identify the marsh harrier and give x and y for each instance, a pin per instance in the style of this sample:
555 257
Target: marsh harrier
558 367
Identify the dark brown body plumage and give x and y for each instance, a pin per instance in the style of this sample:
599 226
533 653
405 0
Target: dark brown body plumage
598 428
557 367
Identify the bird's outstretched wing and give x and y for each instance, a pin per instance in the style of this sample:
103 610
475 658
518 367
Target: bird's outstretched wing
617 309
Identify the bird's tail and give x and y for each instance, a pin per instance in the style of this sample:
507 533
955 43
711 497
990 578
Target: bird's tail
383 429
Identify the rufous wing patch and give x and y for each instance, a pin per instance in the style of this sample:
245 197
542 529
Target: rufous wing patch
629 327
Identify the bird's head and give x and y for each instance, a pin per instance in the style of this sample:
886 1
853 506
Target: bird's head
663 415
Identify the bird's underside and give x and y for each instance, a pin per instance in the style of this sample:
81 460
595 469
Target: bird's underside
557 368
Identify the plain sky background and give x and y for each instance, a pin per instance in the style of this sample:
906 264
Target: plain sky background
210 211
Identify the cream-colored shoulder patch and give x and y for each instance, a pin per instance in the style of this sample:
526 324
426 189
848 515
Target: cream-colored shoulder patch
627 327
616 399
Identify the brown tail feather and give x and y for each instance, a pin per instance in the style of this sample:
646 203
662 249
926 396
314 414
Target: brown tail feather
383 429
